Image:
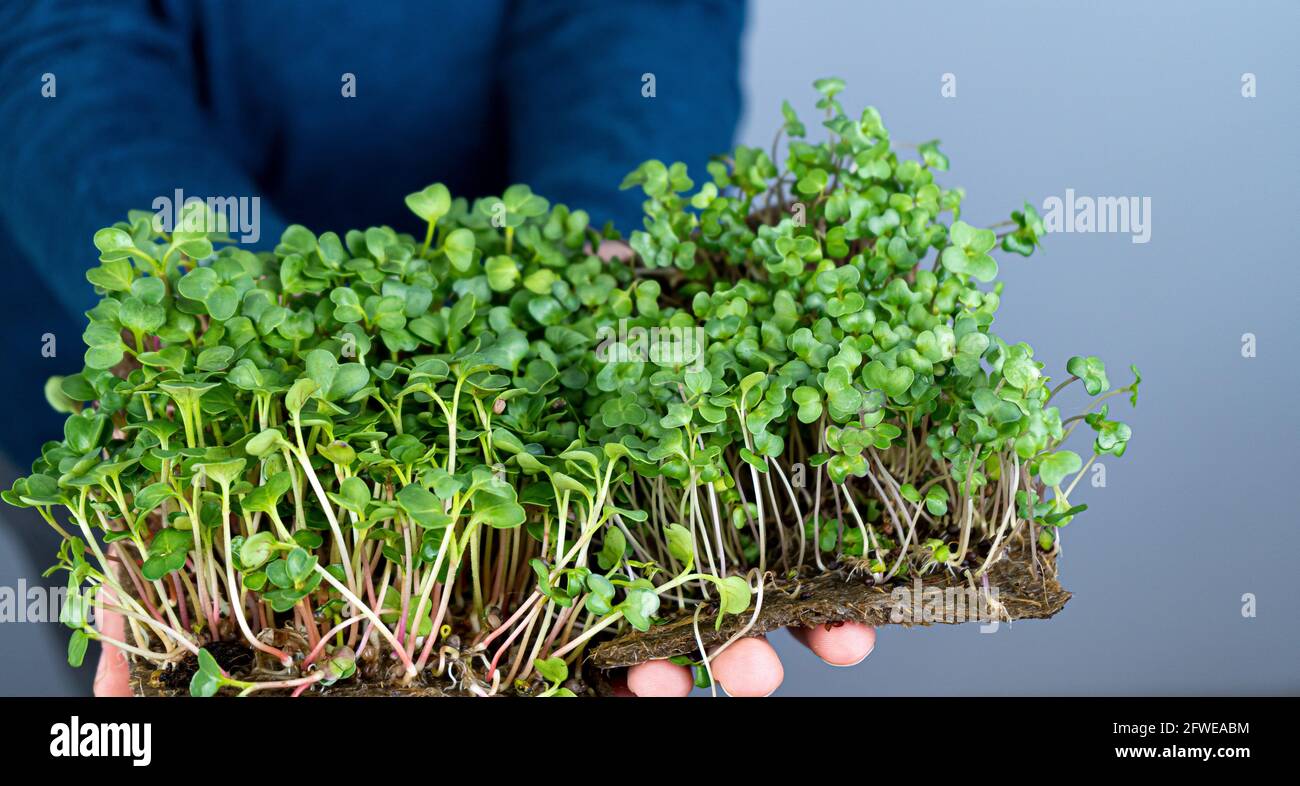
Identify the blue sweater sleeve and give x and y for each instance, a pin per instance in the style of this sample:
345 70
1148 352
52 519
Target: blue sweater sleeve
593 88
123 127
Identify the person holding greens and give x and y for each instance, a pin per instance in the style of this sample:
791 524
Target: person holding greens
327 114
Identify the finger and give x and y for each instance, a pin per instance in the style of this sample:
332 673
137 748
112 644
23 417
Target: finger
614 249
659 678
112 675
840 643
749 667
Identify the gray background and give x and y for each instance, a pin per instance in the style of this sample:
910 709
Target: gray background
1121 99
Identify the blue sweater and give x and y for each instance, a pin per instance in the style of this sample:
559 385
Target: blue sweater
246 98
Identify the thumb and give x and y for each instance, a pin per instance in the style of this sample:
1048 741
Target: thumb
112 676
659 678
838 643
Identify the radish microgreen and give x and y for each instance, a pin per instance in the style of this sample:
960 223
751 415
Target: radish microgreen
475 448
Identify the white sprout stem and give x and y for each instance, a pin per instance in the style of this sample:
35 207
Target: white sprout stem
907 542
636 545
430 579
884 498
789 489
179 637
1077 477
717 528
597 628
817 499
370 615
233 588
970 517
776 514
868 537
122 645
704 651
301 454
753 618
762 524
697 519
540 640
1007 518
106 577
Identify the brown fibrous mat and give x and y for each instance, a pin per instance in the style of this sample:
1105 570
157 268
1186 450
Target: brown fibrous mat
1024 590
1018 588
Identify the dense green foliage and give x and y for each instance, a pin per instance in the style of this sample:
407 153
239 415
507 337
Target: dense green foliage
481 445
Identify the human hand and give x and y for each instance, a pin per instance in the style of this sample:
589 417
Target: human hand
751 667
112 675
613 249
